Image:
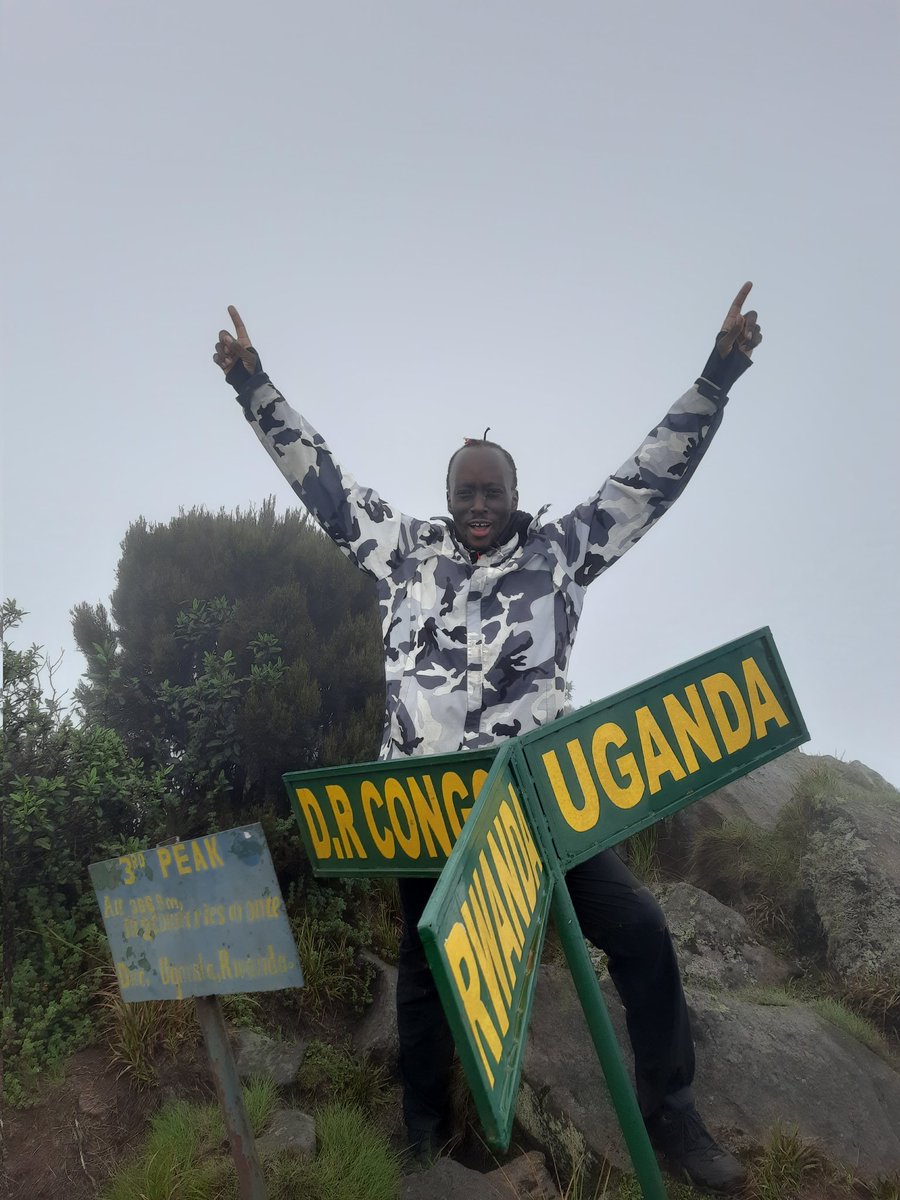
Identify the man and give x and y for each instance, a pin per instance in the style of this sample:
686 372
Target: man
479 613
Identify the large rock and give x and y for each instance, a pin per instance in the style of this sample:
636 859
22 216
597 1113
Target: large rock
758 797
258 1055
757 1066
290 1132
376 1035
851 866
715 946
524 1178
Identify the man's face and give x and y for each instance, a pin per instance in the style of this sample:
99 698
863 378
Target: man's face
481 495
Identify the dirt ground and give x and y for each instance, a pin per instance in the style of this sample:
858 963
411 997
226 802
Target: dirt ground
66 1146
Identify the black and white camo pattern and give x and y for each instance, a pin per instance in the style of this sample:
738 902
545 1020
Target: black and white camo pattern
478 652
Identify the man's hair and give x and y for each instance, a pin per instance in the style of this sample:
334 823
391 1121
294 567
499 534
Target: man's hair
483 441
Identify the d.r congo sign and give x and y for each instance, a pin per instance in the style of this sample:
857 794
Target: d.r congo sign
501 830
197 918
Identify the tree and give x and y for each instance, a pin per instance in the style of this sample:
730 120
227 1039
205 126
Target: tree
240 645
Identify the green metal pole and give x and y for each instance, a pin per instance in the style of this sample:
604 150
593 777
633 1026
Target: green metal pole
251 1185
604 1038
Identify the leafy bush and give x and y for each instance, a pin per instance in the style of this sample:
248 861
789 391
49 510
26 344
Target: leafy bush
69 795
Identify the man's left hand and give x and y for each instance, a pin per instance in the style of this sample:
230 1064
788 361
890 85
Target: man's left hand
741 330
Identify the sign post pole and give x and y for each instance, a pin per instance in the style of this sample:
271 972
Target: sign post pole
251 1185
603 1036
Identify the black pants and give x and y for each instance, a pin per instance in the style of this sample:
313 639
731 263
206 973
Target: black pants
618 914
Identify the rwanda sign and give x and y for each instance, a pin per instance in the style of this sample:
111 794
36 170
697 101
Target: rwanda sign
483 931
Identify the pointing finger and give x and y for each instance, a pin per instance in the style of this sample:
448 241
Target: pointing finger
738 302
239 326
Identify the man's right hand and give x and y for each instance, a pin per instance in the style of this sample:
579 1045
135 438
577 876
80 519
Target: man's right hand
233 349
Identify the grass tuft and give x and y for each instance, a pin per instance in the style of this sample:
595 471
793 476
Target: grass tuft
184 1156
334 1074
785 1165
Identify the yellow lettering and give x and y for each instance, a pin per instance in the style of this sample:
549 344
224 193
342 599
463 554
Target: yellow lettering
532 858
200 863
659 757
508 877
428 811
452 787
464 970
763 705
224 964
384 841
409 839
179 853
212 851
315 822
623 795
716 686
165 860
586 815
693 726
506 936
483 940
343 816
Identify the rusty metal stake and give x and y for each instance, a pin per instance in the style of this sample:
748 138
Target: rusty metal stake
251 1185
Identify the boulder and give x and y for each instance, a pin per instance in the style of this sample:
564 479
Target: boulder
290 1132
715 947
758 797
258 1055
376 1035
757 1066
524 1178
851 867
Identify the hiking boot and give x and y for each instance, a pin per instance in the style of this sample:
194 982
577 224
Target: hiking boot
678 1133
423 1146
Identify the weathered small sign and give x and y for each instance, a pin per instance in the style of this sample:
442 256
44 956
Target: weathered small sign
400 817
197 918
613 767
483 930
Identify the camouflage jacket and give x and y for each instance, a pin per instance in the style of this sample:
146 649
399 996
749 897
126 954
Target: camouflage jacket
476 652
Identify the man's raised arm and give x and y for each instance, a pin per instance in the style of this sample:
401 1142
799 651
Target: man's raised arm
359 522
597 533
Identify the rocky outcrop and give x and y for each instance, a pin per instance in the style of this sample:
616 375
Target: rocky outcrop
851 867
376 1035
716 949
757 1066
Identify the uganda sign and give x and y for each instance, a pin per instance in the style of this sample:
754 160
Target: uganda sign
197 918
400 817
483 931
616 766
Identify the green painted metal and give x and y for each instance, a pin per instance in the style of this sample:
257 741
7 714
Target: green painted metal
593 1004
400 817
621 764
483 931
196 918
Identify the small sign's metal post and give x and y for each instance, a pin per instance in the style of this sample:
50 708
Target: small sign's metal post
251 1185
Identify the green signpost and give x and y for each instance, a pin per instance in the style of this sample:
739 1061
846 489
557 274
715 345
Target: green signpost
545 802
483 934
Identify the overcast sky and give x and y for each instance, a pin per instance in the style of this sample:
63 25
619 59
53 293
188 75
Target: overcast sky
436 217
